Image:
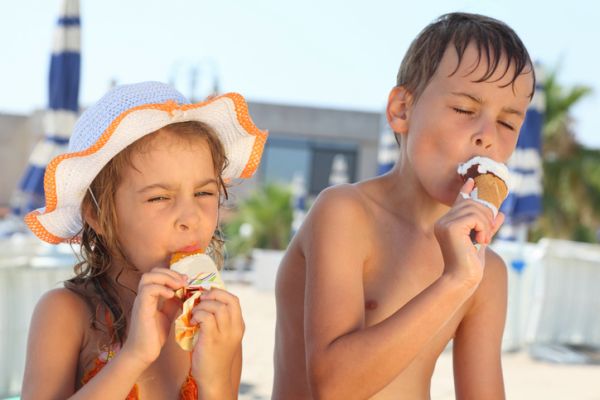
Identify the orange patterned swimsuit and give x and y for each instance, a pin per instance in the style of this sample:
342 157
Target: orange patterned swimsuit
189 389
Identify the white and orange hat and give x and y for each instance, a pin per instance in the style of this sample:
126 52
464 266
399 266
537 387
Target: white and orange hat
122 116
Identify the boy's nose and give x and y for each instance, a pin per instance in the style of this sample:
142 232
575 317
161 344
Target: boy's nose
484 138
480 142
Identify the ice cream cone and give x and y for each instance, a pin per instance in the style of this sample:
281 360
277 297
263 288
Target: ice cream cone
491 181
490 188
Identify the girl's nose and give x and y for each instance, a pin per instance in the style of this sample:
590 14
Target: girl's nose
188 217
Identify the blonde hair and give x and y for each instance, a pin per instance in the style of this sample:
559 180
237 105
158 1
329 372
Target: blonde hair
99 251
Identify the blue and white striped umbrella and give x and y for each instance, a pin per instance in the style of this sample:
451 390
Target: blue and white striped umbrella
63 105
388 150
524 203
299 202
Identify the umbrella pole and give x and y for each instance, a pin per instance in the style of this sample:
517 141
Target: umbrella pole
518 265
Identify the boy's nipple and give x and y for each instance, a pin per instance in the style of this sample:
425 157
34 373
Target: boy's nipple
370 305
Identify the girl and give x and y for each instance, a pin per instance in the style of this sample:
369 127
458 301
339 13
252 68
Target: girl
143 179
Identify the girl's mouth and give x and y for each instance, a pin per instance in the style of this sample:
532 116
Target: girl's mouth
189 249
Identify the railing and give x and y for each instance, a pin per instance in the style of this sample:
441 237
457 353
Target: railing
554 298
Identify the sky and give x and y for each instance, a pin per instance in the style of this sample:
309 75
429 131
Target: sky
340 54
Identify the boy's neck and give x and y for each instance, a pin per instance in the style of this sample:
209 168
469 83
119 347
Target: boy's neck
408 199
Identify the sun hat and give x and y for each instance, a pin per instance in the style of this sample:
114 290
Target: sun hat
122 116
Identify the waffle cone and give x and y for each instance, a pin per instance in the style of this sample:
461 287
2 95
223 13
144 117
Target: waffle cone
491 189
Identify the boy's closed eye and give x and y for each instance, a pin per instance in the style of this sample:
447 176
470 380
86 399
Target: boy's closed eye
506 125
462 111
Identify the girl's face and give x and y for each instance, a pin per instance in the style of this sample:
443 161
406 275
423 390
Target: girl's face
168 201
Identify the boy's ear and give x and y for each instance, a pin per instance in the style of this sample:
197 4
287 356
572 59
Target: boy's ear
398 109
90 215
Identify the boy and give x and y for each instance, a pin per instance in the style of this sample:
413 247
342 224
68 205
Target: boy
383 273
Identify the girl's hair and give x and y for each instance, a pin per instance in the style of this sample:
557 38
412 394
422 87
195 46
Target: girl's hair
98 252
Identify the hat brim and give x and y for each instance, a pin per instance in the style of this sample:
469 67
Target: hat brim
69 175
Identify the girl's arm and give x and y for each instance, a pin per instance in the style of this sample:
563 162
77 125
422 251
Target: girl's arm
236 370
217 356
478 340
55 338
57 332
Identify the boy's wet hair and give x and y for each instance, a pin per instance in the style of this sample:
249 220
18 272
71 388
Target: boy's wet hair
494 40
99 251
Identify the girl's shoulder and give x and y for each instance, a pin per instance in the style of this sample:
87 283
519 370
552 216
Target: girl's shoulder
64 298
63 306
56 336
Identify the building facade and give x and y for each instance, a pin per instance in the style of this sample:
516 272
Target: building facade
321 146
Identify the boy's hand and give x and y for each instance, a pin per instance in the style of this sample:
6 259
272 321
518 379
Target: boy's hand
462 260
150 324
219 338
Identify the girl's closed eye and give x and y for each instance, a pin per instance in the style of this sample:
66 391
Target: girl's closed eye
204 193
156 199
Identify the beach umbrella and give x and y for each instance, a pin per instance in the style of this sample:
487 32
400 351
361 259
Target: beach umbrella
298 202
524 202
388 149
60 117
339 170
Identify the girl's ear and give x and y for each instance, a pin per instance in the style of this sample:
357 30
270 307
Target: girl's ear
398 109
90 215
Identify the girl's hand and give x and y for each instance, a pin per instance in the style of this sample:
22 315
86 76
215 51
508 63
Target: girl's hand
462 260
221 328
150 324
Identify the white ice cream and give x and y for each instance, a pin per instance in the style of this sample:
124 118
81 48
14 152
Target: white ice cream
486 165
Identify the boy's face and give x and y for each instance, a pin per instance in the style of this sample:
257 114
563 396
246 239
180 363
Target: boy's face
456 118
168 201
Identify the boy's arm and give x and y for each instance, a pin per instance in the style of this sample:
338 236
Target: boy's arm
478 340
345 359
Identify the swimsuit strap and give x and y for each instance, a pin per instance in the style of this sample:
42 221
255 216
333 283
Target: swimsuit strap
188 391
103 358
108 321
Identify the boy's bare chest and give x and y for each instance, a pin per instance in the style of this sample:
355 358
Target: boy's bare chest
400 269
395 277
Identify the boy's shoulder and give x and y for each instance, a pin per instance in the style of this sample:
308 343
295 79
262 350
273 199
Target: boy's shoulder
494 284
495 267
346 200
340 216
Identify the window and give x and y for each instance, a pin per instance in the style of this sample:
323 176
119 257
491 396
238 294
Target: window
313 160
